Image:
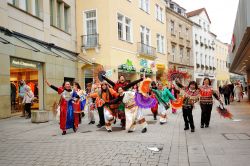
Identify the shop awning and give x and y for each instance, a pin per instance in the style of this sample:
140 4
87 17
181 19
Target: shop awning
26 42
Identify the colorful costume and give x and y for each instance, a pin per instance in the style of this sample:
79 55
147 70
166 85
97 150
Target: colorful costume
105 110
67 118
189 98
79 105
206 103
163 97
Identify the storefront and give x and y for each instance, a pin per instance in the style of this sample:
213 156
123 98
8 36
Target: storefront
26 58
31 73
127 70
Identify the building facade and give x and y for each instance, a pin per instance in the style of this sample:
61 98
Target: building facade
222 70
203 47
37 42
179 38
126 37
240 45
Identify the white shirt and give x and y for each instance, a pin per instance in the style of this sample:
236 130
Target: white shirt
28 97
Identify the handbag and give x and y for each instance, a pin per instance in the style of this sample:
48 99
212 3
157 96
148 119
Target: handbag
58 110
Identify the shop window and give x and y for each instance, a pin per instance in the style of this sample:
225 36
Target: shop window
28 72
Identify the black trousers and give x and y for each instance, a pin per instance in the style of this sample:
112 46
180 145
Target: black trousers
101 115
27 108
188 116
227 99
206 113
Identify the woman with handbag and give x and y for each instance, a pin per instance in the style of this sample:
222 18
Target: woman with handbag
66 105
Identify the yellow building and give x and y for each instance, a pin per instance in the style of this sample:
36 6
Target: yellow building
126 37
222 71
179 37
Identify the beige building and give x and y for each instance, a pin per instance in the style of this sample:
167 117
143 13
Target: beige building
126 37
179 38
221 54
37 42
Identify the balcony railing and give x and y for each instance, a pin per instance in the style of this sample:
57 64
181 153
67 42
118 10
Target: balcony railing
90 41
146 50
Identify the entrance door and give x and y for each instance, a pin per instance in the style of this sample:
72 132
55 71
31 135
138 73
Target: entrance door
24 73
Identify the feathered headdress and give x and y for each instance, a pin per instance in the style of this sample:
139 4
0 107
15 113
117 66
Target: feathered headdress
145 86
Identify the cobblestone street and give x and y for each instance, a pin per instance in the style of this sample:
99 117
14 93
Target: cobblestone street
225 141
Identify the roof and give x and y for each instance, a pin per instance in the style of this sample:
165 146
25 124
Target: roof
197 12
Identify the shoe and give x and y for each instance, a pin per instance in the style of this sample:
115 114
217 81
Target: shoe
130 131
202 126
186 128
206 126
123 128
90 123
155 118
93 122
144 130
161 123
64 133
109 131
192 130
74 129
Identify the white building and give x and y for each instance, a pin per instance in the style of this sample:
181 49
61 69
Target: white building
203 47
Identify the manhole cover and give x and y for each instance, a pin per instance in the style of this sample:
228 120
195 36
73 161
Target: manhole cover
236 136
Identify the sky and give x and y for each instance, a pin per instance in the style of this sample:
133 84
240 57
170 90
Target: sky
222 14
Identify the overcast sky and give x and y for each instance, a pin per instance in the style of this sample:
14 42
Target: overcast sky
222 14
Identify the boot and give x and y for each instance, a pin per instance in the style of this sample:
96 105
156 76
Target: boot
144 130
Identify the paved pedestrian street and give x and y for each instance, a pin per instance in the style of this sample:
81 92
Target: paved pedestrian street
225 142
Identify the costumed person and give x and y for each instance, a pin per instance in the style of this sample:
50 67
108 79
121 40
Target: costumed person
27 101
190 96
163 96
154 109
121 106
135 104
66 106
120 83
79 104
175 93
90 103
106 114
206 101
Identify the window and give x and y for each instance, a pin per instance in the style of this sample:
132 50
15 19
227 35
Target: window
200 22
23 4
201 60
30 6
159 13
35 8
60 15
188 56
160 43
204 26
187 33
172 27
124 28
66 18
195 36
144 5
91 27
145 35
173 53
181 54
179 11
180 30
